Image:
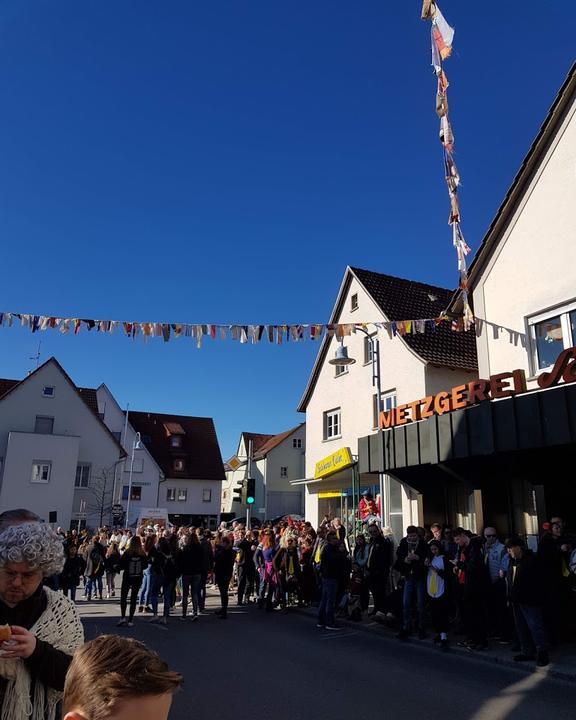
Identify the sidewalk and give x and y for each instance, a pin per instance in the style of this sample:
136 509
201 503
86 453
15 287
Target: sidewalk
562 665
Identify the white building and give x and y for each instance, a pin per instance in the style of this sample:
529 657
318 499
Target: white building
340 401
146 473
277 461
187 452
57 457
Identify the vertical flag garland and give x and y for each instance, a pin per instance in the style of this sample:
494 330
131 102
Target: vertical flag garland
442 37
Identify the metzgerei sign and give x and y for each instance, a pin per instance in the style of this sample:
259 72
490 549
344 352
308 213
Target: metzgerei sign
477 391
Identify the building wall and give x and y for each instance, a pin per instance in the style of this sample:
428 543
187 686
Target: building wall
146 473
534 266
194 504
24 449
72 417
280 496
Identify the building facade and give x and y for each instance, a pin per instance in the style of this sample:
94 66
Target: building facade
58 458
340 402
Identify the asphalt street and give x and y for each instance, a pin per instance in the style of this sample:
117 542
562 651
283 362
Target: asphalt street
275 665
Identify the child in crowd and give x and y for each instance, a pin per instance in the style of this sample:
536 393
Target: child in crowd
115 678
437 589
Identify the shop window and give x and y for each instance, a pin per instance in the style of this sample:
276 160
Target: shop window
82 475
332 424
388 402
354 302
550 334
41 472
44 425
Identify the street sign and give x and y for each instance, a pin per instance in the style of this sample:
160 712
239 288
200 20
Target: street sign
234 463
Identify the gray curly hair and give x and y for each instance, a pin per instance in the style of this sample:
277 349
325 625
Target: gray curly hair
34 544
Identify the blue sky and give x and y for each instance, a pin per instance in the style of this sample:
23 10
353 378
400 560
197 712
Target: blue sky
222 162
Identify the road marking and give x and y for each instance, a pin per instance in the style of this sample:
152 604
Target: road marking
338 635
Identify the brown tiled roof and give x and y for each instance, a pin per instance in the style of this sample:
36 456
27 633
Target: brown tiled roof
258 439
401 299
199 449
274 441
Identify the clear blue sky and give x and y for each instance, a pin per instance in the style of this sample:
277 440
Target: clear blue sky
222 162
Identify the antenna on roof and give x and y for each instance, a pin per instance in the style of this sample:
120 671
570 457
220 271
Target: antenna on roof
36 357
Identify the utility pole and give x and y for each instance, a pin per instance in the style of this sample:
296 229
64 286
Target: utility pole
249 475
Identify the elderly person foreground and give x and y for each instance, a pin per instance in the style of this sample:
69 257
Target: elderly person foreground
45 626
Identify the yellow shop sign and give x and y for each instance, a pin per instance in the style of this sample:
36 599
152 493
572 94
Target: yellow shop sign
337 461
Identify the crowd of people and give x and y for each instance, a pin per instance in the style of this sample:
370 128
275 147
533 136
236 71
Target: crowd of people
473 586
448 578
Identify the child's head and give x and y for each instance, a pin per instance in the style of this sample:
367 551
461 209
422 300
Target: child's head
116 678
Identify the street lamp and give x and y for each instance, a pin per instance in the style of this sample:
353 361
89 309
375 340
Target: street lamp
341 358
136 445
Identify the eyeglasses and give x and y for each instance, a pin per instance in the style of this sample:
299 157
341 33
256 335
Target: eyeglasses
25 577
490 536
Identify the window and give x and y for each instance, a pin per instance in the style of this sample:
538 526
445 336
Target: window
171 494
175 441
41 472
283 472
206 495
332 427
297 443
388 402
550 334
82 475
44 425
136 493
354 302
182 495
48 391
179 465
341 370
368 349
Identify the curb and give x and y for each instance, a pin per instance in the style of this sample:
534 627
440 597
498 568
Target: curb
483 656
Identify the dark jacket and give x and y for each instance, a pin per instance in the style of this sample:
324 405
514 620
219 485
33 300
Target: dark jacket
112 562
476 572
528 585
416 569
190 559
133 566
72 571
554 560
207 556
281 561
331 562
223 564
379 557
244 554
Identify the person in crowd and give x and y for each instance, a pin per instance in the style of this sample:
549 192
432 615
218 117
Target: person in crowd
113 677
377 568
526 581
189 561
339 529
245 566
331 563
497 560
264 561
287 566
45 626
307 578
473 577
436 530
448 543
132 563
112 568
437 588
72 572
411 559
163 576
94 569
359 562
223 569
368 510
207 566
146 587
554 550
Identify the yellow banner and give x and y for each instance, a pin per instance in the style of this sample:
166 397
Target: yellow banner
337 461
324 495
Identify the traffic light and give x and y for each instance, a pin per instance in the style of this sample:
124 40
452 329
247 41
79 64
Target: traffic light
238 494
250 491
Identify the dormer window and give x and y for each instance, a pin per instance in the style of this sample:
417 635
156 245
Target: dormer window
179 465
176 441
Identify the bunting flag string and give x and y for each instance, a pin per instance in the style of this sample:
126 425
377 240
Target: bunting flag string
245 334
442 37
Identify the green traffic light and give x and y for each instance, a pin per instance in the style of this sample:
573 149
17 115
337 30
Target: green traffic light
250 500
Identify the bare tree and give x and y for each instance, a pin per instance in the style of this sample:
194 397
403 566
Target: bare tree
100 499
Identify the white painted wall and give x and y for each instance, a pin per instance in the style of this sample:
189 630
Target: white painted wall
275 486
146 472
72 418
194 504
534 266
